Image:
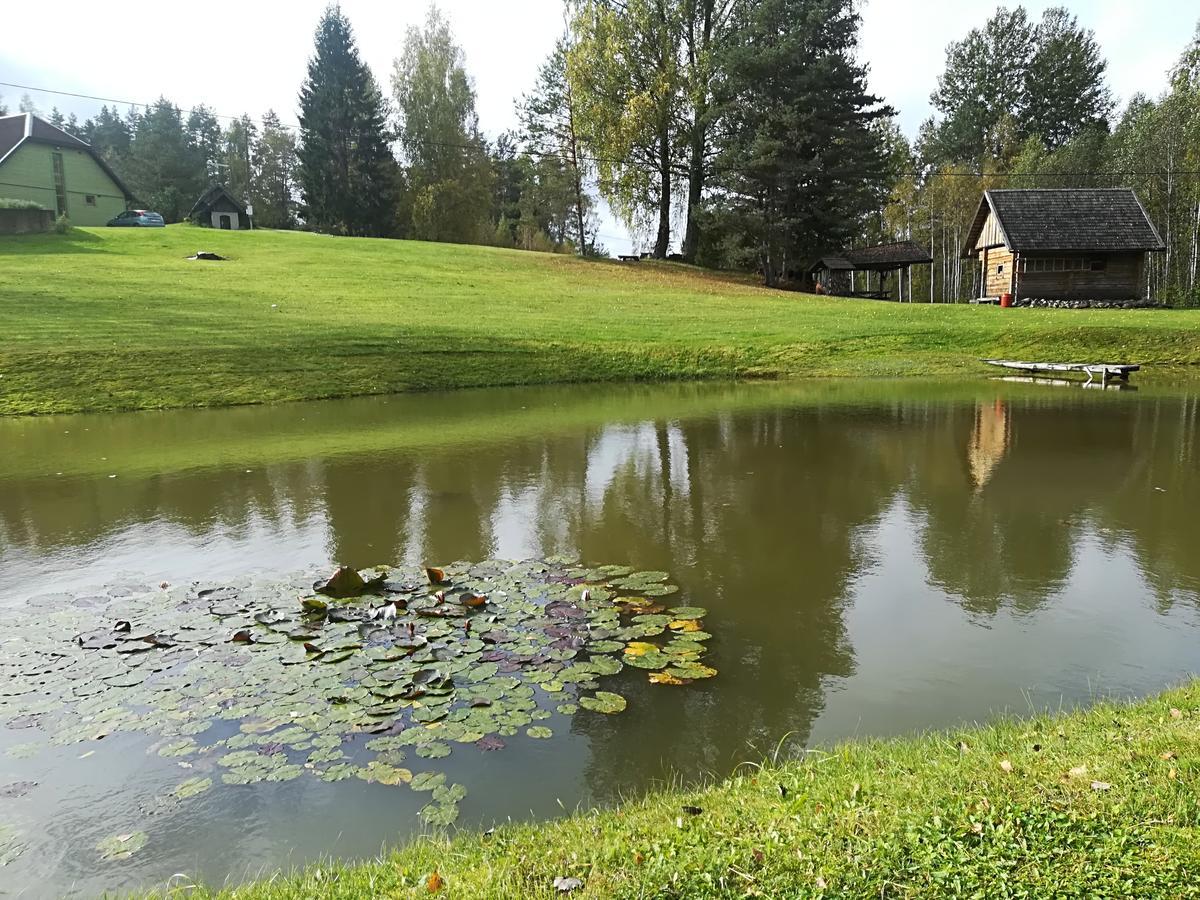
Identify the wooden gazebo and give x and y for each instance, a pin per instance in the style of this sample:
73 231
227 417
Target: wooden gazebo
837 273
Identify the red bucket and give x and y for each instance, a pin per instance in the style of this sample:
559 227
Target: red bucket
1006 301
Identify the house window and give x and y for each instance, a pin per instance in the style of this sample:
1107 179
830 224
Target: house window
1000 269
90 199
60 183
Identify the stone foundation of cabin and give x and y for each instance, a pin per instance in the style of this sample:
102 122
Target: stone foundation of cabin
1090 304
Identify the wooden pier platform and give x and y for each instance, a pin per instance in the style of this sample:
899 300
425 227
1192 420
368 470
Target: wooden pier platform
1105 371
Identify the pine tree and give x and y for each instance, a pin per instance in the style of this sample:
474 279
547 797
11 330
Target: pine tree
802 160
348 175
204 135
27 105
57 119
164 168
237 157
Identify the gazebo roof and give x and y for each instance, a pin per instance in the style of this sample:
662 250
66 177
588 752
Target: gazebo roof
882 258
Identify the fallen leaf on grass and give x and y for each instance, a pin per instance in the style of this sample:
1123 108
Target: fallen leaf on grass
1173 775
434 883
1176 714
566 885
1078 772
1169 755
1006 765
963 747
1101 786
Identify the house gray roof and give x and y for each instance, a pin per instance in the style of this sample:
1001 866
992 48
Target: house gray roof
210 197
28 128
1089 220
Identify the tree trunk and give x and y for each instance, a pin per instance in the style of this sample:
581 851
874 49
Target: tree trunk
663 243
691 237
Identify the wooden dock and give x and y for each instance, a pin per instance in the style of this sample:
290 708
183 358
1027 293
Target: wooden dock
1106 372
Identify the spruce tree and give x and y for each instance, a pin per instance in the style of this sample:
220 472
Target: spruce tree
348 175
802 161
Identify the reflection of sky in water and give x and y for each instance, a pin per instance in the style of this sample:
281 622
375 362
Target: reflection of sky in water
871 569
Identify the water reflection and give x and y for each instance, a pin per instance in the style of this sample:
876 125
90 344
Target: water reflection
875 559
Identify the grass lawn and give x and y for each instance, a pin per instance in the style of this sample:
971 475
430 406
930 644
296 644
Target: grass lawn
111 319
1101 803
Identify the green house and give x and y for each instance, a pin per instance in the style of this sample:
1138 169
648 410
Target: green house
44 164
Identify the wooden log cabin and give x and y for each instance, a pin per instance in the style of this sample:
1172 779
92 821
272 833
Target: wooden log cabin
1063 244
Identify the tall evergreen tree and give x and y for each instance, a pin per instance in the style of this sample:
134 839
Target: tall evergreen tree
348 175
164 168
57 119
27 105
204 133
802 161
448 167
275 166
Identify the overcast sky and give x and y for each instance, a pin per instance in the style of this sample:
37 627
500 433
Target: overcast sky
248 56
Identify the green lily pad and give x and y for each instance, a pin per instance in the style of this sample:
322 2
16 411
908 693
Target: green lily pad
376 772
541 732
604 702
688 612
122 846
439 815
193 787
427 781
433 751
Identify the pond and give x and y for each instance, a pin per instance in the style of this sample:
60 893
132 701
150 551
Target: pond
875 558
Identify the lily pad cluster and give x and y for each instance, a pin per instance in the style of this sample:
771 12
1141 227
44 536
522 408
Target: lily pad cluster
370 675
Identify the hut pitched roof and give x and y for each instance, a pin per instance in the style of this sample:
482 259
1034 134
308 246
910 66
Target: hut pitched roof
211 196
1090 220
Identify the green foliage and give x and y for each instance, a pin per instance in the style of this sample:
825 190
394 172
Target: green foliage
11 203
1099 803
348 175
165 166
62 225
800 170
448 172
275 169
1012 79
307 317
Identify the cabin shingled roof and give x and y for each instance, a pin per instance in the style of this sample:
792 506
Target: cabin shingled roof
211 196
902 253
1089 220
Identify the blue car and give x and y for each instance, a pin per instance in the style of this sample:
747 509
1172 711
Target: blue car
137 218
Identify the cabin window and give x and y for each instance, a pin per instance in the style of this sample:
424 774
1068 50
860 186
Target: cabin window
1000 269
90 199
1099 264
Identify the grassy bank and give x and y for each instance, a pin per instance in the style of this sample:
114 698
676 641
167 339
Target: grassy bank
112 319
1101 803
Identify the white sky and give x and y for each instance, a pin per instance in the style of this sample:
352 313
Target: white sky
137 50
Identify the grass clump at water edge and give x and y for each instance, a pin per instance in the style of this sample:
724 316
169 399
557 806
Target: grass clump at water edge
1097 803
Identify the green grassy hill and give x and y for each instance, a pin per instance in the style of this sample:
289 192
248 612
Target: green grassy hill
119 319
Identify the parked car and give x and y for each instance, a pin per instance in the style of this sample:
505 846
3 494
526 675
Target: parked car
137 218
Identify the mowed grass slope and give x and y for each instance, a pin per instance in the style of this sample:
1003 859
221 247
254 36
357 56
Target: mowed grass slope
109 319
1102 803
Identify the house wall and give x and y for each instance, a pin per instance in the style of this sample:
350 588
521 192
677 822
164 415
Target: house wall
990 236
28 174
1121 279
998 272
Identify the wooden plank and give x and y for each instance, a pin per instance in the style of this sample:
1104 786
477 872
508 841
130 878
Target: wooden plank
1106 370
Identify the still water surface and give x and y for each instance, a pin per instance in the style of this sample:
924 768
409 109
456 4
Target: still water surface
877 558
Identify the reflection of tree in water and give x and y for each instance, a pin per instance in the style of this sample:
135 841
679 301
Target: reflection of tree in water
763 537
1011 540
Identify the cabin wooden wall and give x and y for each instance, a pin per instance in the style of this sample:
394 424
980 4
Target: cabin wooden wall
1121 279
998 265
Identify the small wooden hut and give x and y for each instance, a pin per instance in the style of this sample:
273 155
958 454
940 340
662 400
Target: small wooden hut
837 273
217 208
1062 244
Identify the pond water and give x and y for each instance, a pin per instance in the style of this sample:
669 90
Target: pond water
876 558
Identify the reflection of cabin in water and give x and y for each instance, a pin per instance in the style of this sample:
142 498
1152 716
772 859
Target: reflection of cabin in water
1063 244
837 273
989 441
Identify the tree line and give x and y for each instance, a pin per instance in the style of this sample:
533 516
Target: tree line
1025 104
740 131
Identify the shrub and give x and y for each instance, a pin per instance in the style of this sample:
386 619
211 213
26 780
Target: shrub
13 203
62 224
